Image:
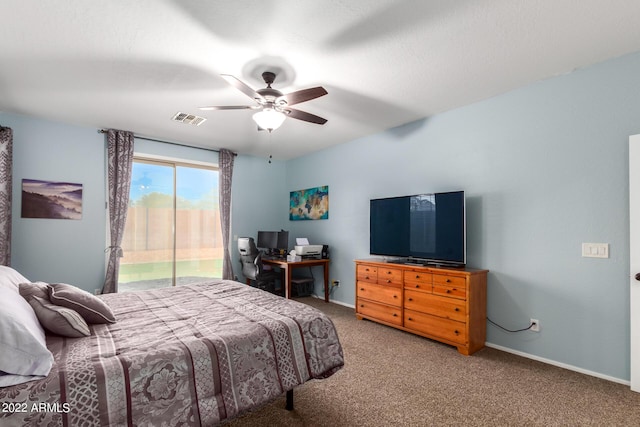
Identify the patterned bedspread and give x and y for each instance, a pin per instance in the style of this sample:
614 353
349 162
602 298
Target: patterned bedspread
189 355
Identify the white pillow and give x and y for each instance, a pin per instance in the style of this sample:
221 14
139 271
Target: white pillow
24 355
10 278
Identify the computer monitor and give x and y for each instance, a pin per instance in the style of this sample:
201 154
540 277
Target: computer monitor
273 242
267 240
283 240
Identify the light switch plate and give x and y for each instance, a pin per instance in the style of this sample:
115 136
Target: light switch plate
595 250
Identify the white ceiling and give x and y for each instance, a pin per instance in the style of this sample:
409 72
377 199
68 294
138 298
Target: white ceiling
132 65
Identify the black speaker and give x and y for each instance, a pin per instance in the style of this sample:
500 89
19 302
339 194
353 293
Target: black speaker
325 251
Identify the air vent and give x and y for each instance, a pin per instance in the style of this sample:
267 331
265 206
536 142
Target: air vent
190 119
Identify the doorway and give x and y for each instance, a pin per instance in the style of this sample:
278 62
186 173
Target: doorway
634 254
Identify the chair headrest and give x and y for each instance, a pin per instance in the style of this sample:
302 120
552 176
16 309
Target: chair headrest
247 246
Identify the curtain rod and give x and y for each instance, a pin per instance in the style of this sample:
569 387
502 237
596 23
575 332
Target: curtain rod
169 142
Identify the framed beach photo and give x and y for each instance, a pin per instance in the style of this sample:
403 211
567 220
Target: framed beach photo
52 200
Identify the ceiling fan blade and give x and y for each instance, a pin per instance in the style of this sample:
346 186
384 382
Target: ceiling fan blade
227 107
303 115
303 95
242 87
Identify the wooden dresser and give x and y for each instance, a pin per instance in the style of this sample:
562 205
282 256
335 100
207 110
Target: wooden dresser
445 304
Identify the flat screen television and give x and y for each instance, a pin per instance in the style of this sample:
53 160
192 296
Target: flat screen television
422 229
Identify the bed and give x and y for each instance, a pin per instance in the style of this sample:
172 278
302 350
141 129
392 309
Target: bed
190 355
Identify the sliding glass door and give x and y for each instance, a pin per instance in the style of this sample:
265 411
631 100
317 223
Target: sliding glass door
198 236
172 236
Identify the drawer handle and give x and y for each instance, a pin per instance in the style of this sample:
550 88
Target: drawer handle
448 281
456 332
395 296
409 318
361 305
448 291
417 286
417 276
366 277
410 299
395 314
362 289
456 309
388 280
388 272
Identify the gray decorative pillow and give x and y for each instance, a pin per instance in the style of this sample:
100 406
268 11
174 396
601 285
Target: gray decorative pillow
90 307
38 289
59 320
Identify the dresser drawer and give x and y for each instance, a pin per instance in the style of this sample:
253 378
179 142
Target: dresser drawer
447 308
450 291
441 279
418 280
388 276
450 286
449 330
367 273
391 295
380 312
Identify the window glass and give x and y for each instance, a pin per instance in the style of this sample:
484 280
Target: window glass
172 235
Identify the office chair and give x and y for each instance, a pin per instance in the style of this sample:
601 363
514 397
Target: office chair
252 269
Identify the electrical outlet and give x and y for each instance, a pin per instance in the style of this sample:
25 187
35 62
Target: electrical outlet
335 283
535 325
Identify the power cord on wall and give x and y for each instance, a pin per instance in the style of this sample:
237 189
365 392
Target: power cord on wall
531 325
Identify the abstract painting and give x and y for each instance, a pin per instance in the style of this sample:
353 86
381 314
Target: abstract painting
54 200
312 203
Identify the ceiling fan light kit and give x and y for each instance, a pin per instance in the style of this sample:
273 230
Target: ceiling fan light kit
274 106
269 119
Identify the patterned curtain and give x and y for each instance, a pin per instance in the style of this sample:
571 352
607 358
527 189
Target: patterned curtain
6 166
225 162
120 160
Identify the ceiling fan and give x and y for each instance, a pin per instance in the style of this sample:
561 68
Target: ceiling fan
273 105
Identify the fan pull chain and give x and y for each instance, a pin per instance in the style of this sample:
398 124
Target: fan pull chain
270 156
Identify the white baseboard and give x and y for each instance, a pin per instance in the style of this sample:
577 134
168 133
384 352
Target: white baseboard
334 301
558 364
342 304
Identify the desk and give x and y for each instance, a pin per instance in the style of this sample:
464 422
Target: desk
286 267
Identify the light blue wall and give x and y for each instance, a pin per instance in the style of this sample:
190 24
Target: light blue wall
258 200
73 251
50 250
545 168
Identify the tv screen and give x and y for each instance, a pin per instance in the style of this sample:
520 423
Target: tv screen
427 227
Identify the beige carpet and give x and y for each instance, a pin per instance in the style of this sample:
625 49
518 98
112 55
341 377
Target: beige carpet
392 378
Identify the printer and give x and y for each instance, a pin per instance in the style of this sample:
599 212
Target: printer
305 250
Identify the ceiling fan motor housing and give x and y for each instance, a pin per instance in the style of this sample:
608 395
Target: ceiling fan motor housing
269 94
268 77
